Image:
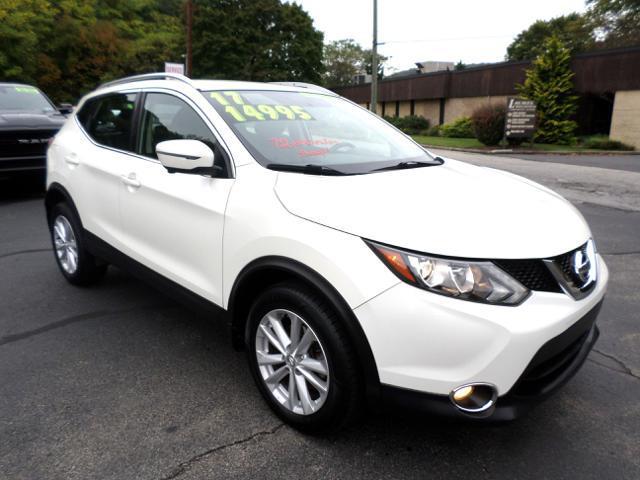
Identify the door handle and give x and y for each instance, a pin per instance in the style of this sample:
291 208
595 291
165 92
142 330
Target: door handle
72 159
130 180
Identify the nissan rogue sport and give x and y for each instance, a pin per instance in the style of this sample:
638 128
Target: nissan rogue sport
354 267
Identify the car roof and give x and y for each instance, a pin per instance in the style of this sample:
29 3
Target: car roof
176 80
273 86
16 84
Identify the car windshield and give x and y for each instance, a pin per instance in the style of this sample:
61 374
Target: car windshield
293 130
23 97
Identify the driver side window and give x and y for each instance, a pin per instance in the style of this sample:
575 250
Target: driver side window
165 117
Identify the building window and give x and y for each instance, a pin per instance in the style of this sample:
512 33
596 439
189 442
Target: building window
412 108
384 104
397 109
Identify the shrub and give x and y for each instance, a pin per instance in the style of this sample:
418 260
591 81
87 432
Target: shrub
488 124
411 124
602 142
392 120
460 128
434 131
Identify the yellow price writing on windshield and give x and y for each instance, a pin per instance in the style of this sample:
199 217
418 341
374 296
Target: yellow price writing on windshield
241 111
25 90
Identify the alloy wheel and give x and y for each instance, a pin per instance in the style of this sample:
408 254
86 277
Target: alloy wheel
65 244
292 362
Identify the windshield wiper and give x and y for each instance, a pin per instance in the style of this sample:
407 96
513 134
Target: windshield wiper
312 169
411 164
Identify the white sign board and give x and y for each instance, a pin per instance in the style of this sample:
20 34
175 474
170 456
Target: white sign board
521 118
174 68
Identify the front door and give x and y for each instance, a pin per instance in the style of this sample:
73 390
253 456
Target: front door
173 223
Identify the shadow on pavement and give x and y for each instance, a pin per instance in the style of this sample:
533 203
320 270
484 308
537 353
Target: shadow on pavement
21 187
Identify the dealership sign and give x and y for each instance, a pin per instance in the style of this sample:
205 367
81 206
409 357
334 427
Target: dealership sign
174 68
521 118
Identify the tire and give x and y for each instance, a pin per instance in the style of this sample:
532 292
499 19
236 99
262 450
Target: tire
288 303
80 268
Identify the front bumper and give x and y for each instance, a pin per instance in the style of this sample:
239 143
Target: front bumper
33 163
553 366
430 344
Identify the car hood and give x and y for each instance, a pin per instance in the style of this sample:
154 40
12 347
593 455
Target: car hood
454 209
12 120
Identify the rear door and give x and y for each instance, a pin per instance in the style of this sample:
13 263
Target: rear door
96 163
173 223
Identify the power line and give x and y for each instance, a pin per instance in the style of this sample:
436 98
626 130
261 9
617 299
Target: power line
443 39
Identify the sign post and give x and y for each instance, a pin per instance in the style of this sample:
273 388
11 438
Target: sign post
174 68
521 118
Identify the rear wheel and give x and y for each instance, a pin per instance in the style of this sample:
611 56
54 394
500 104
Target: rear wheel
77 265
302 360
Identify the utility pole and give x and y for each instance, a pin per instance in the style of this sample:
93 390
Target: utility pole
189 59
374 60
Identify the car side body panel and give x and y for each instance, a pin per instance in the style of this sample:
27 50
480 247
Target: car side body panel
257 225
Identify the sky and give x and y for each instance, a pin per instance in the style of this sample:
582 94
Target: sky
442 30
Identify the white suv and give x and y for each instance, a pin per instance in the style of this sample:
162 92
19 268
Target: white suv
353 265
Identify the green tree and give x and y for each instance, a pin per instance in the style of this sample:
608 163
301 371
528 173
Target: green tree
616 22
344 59
574 30
22 24
261 40
459 66
368 63
67 47
549 82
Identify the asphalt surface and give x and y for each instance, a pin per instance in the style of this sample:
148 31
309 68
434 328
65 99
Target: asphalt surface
117 381
629 162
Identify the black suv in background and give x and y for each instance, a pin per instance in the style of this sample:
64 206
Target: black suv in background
28 119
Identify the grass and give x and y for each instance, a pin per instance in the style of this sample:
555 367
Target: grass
475 144
448 142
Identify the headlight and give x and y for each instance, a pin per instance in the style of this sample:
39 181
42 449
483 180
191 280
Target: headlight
479 281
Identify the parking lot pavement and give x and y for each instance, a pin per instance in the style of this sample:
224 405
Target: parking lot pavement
582 179
629 162
117 381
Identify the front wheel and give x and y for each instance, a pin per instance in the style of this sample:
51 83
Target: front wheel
301 359
77 265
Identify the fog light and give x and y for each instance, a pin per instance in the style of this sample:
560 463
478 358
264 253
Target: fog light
474 398
463 393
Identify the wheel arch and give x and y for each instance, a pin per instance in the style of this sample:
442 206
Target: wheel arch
56 193
270 270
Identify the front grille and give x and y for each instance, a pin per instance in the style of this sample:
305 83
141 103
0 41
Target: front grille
533 274
565 264
546 275
26 143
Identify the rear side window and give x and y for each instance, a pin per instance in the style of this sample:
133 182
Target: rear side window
109 119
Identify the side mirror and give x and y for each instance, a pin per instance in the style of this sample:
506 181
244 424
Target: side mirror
186 156
65 108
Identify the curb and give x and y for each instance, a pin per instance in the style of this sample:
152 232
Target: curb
534 152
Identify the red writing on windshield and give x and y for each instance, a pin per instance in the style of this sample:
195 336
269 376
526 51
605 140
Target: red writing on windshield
283 142
313 153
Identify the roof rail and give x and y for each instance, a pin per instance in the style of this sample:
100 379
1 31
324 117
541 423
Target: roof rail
148 76
310 86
